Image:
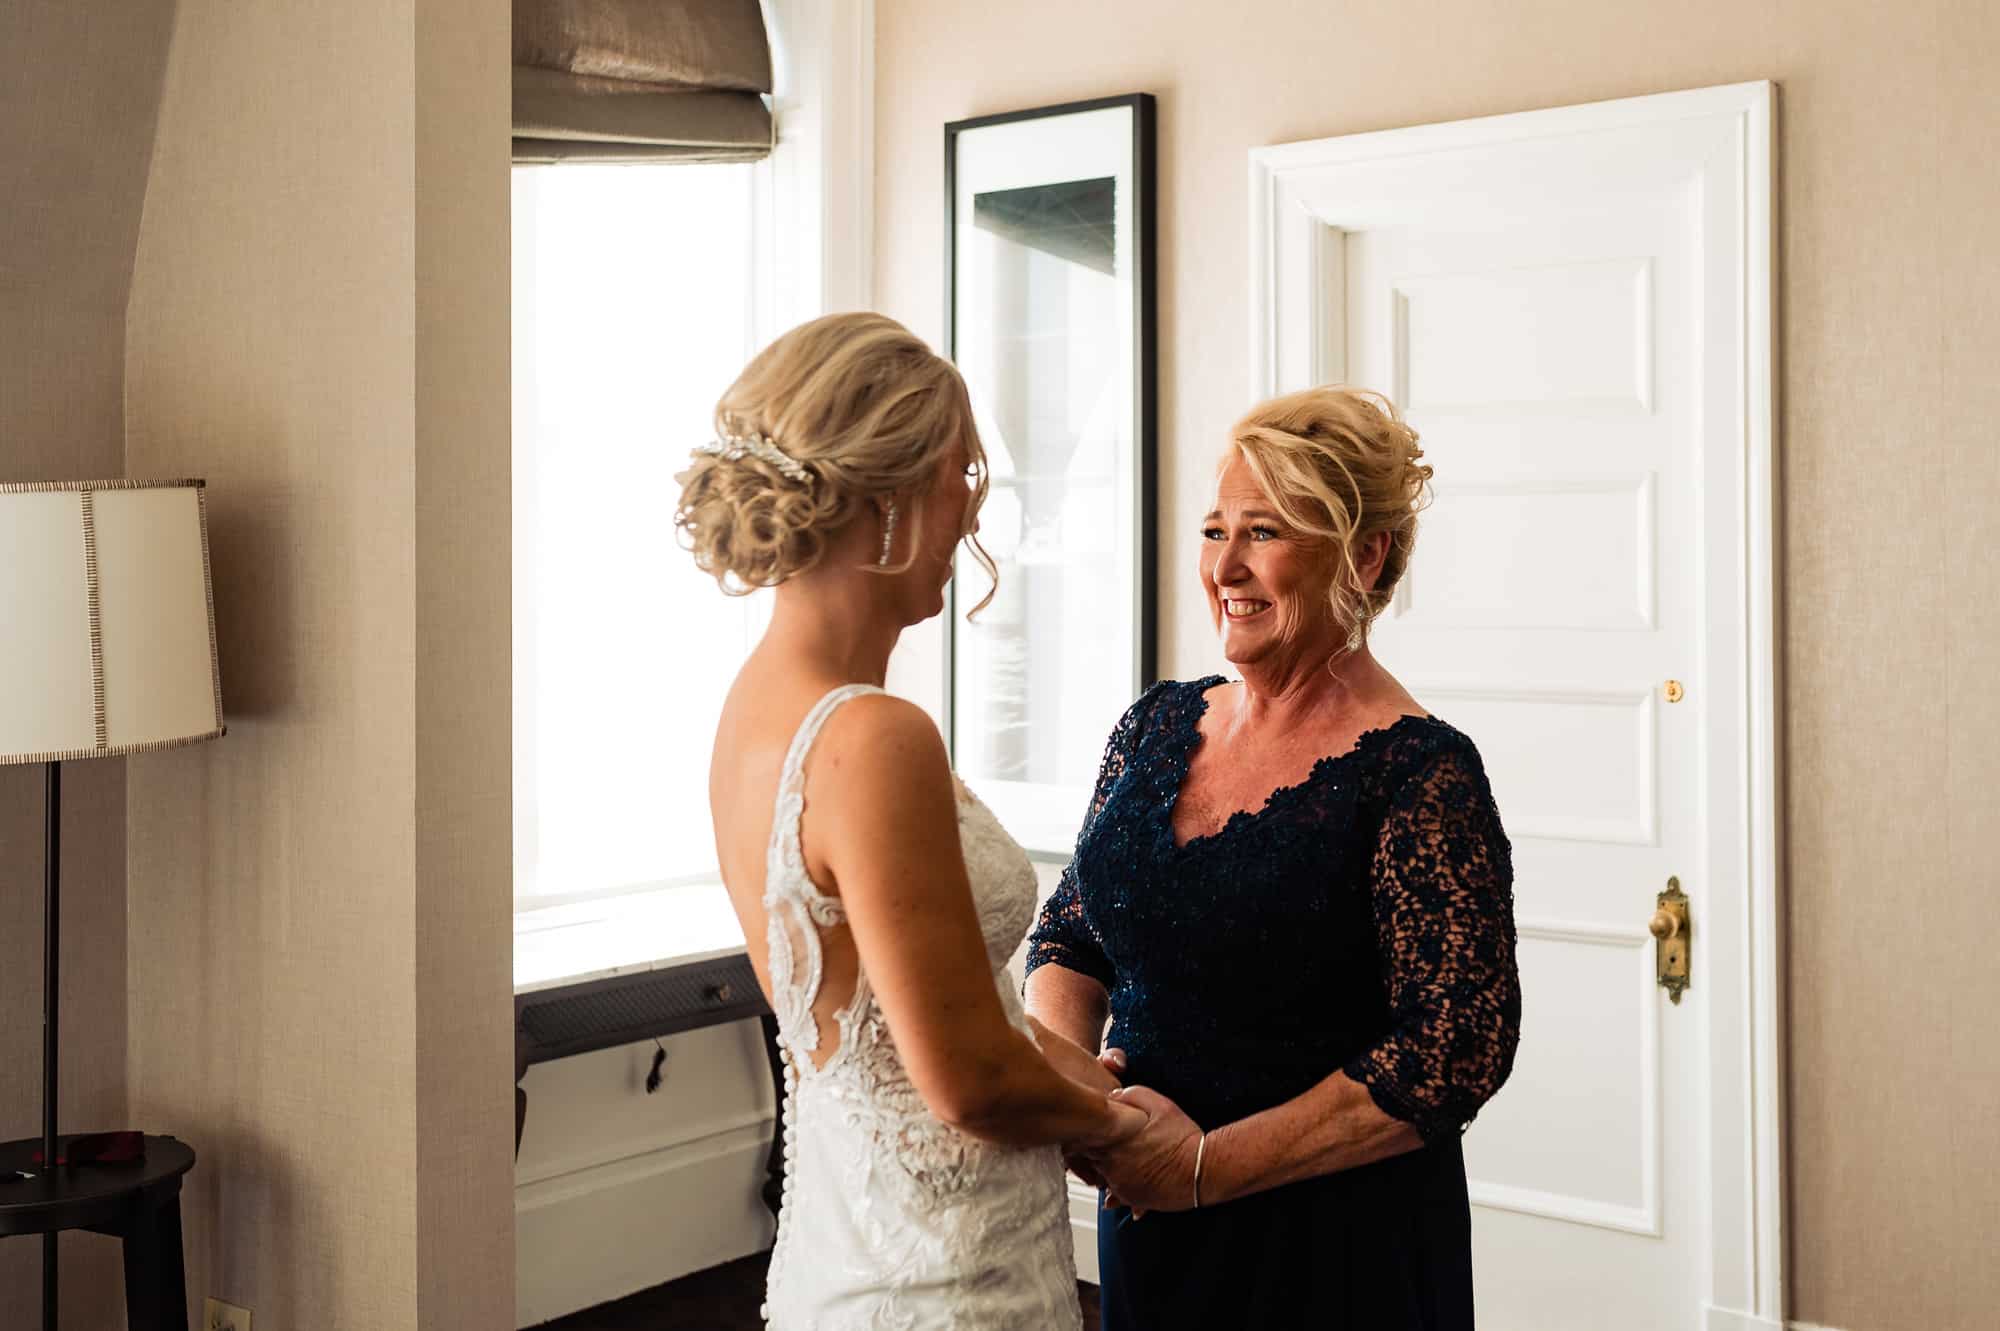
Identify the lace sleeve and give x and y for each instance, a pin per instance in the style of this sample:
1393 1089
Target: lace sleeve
1444 911
1064 935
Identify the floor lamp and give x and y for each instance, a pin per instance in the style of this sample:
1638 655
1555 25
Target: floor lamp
107 647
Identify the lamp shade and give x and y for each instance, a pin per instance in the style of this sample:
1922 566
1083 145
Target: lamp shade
107 624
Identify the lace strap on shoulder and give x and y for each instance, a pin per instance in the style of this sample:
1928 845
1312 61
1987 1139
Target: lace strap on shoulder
792 792
793 778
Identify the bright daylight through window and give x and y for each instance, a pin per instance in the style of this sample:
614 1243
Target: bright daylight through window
633 295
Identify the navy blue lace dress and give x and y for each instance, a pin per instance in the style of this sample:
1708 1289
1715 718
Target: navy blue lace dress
1361 921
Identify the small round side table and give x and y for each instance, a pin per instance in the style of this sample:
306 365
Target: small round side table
139 1204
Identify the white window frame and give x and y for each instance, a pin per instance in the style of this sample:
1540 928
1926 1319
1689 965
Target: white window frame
812 207
817 200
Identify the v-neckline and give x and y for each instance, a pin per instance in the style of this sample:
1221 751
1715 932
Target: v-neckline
1194 739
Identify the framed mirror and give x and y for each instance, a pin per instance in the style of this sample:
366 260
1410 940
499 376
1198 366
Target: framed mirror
1049 282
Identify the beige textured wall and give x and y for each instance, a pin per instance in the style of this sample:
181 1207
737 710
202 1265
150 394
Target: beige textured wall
1889 292
79 89
464 682
319 902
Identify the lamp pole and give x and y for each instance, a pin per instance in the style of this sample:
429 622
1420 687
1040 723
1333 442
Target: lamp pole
51 988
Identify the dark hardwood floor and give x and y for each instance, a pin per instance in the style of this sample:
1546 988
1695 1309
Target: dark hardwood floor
725 1298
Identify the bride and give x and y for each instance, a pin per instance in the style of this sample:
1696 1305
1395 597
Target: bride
925 1114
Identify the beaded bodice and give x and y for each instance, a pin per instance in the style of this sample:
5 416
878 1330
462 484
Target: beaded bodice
1359 921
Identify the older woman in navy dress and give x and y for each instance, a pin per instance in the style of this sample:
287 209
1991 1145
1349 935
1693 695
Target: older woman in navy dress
1292 897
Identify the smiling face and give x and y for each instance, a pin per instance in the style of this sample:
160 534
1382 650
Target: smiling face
1268 584
1314 519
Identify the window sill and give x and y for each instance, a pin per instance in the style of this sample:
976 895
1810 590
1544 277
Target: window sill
624 934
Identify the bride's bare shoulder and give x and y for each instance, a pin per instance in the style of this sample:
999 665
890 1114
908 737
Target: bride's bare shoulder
882 735
764 710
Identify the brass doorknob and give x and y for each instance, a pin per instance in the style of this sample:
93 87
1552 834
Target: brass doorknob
1664 924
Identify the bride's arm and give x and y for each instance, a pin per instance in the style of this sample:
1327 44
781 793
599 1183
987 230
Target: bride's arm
881 809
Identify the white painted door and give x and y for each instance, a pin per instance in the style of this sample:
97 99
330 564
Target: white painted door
1561 318
1547 365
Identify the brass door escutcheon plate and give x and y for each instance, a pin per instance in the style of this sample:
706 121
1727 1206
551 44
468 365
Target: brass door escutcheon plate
1669 927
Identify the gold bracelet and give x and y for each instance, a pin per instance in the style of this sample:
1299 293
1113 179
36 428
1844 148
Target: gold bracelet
1200 1148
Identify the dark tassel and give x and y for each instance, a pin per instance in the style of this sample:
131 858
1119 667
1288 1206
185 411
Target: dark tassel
654 1077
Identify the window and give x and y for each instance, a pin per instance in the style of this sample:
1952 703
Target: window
634 289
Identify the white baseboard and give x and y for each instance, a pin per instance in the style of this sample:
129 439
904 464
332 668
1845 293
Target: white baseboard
1728 1319
601 1232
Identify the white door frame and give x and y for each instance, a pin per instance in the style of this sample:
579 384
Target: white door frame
1297 318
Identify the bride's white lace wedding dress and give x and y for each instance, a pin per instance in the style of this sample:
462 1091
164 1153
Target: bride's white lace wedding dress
893 1219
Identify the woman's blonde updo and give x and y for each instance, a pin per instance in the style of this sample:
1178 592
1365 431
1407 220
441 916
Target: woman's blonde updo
864 407
1340 463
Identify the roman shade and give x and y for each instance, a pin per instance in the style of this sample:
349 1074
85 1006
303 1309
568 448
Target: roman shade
640 81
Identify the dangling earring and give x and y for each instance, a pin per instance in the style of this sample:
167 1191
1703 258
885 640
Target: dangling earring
1357 635
888 535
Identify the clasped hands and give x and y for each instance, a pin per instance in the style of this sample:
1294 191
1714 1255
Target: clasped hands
1151 1170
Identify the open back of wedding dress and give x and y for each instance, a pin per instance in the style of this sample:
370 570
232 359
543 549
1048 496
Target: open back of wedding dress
892 1218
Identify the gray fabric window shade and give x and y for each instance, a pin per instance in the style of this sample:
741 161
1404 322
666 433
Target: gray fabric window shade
640 81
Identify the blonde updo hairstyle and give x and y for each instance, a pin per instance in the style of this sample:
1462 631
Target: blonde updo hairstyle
1340 463
867 410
